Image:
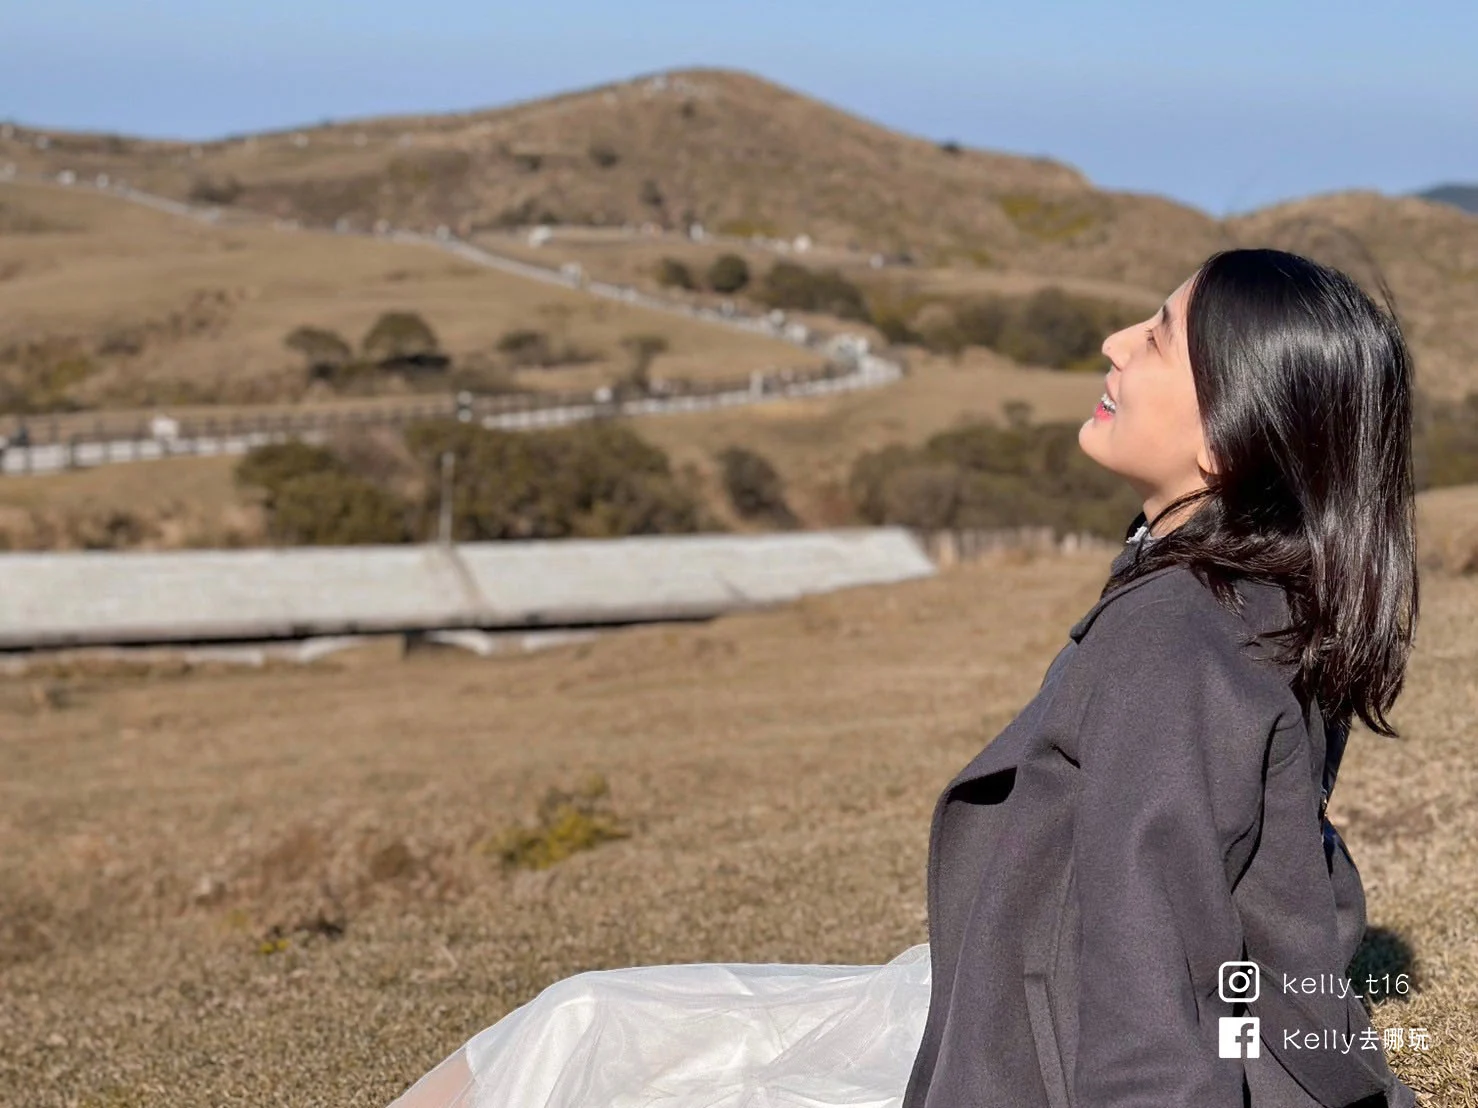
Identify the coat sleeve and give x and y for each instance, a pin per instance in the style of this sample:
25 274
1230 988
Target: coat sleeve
1161 732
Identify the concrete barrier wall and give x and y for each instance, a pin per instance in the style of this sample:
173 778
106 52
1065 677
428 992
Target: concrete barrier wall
102 598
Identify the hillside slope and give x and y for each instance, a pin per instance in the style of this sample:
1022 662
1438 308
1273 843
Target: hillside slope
726 149
745 156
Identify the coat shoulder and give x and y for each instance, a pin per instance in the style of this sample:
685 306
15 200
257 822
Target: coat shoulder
1173 619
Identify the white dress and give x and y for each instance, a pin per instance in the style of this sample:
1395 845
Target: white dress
705 1035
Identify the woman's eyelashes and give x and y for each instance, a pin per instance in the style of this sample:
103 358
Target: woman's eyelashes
1150 338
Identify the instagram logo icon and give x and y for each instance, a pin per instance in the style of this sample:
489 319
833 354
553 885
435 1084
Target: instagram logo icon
1238 981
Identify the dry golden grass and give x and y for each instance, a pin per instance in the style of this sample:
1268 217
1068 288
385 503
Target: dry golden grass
182 502
214 305
1447 521
179 846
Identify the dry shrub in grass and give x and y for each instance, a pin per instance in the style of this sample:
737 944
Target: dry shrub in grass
794 287
754 488
43 376
728 274
210 190
325 351
567 822
673 273
528 348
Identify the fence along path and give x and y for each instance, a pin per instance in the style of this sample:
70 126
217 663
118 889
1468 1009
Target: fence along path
851 364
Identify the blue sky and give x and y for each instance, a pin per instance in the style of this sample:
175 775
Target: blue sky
1224 106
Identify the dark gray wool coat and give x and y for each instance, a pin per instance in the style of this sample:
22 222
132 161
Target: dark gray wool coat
1153 812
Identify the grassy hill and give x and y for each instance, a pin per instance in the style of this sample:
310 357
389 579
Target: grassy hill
136 308
746 157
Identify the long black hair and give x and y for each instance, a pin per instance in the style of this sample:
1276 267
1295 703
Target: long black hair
1304 386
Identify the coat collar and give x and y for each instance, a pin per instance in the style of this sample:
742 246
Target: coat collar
1264 606
1133 537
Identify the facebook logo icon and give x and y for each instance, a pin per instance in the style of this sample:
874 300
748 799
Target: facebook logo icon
1236 1037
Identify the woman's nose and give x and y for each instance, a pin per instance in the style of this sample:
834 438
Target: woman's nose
1116 347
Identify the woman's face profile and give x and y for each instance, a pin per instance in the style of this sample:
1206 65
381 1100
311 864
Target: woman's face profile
1152 436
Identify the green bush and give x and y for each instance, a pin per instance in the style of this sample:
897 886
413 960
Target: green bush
983 475
675 274
1051 327
312 497
1055 328
267 468
335 509
794 287
754 488
728 274
325 351
400 339
595 480
1445 442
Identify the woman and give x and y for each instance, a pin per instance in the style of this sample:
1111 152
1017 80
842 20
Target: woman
1122 884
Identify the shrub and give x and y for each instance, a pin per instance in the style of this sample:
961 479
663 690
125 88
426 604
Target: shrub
403 339
791 286
525 347
208 190
1051 327
269 467
1054 328
595 480
950 146
672 273
923 494
1445 442
325 351
754 488
40 376
729 273
603 155
651 194
982 475
983 322
642 349
567 822
335 509
311 497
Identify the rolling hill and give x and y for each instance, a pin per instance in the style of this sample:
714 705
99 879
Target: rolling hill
744 156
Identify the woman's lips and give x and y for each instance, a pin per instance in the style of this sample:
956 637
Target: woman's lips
1100 412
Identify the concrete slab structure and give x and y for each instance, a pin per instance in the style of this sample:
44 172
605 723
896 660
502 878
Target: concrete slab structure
106 598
